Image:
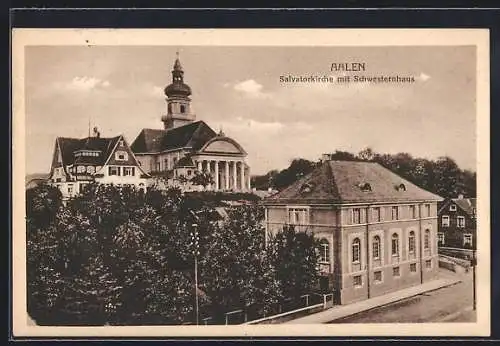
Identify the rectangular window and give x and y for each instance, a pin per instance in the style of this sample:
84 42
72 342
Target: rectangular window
445 221
297 216
114 170
377 214
395 213
413 212
165 165
461 222
395 271
440 238
158 168
413 267
356 216
427 210
70 188
377 276
468 239
357 280
428 264
453 207
188 172
128 171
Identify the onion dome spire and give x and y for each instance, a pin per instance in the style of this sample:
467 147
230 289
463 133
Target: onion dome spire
177 87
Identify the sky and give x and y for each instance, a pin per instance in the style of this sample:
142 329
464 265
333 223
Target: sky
119 89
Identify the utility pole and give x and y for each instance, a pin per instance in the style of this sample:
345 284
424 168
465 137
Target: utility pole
195 242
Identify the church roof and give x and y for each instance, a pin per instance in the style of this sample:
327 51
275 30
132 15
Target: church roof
193 135
69 146
351 182
185 162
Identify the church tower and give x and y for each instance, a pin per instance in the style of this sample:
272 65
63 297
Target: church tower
178 101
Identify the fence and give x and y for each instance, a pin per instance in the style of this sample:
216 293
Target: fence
288 308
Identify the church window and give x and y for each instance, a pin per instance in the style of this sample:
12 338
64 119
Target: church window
183 109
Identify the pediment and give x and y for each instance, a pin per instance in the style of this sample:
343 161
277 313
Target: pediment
223 145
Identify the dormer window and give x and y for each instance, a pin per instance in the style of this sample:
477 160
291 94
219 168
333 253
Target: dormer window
401 187
121 156
365 187
307 187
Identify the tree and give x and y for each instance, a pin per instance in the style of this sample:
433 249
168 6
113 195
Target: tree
202 179
297 169
366 154
295 257
42 204
236 273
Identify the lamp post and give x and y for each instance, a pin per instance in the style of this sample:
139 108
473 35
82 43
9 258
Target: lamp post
195 243
473 264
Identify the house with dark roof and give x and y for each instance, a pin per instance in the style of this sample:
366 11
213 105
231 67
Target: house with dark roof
78 161
377 231
161 152
457 223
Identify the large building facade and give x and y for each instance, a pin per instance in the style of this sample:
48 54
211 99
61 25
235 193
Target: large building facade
377 231
185 146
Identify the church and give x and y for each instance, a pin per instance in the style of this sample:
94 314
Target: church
187 147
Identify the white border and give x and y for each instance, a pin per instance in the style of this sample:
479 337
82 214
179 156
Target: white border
260 37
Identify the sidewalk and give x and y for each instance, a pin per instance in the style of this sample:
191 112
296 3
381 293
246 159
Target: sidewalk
341 311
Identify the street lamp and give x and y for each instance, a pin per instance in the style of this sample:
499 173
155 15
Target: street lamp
195 243
473 264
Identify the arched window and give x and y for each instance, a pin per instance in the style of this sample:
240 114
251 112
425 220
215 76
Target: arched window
395 244
356 250
411 242
324 251
183 109
427 239
376 247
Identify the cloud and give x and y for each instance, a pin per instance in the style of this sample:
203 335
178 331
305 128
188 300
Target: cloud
250 88
423 77
85 84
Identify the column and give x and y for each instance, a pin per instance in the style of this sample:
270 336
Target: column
209 172
235 175
226 178
217 175
199 166
249 187
242 176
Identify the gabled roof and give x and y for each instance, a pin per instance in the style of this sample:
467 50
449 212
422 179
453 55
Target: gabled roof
334 182
466 204
70 145
193 135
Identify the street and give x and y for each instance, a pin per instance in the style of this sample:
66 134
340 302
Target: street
448 304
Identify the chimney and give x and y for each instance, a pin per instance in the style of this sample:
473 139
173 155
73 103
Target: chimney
97 134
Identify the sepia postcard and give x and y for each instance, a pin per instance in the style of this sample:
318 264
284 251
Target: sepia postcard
250 182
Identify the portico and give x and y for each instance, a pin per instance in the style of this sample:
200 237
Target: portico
229 174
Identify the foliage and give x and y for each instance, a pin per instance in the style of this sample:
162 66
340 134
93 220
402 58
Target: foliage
121 256
441 176
295 258
202 178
